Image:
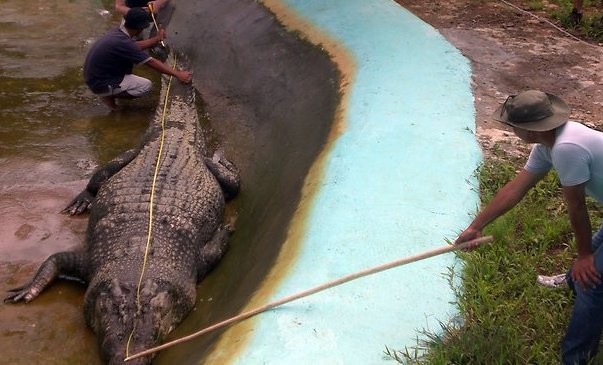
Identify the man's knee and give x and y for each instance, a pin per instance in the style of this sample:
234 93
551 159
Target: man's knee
136 86
143 88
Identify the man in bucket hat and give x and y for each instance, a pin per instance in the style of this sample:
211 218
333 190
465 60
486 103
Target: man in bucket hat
109 63
576 153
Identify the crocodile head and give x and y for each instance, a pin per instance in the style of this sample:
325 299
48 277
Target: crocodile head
127 322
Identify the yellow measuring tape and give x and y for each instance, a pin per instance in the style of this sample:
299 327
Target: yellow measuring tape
150 228
154 21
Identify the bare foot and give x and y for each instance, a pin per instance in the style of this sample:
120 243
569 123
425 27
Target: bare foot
110 102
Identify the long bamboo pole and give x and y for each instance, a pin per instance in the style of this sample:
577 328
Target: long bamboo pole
373 270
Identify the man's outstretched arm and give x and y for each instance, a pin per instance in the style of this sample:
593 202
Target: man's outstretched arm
183 76
504 200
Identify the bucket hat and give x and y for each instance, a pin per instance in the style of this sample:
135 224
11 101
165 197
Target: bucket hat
136 18
533 110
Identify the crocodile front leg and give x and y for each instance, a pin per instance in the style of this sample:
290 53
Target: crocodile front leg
82 201
226 173
212 251
66 264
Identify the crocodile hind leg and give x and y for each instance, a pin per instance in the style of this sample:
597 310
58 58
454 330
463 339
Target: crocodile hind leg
82 201
226 173
66 264
213 251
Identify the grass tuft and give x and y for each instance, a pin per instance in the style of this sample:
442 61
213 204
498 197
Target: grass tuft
591 25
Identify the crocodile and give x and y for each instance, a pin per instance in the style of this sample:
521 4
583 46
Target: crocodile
141 285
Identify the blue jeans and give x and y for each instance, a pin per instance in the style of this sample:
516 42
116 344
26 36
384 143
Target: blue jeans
581 341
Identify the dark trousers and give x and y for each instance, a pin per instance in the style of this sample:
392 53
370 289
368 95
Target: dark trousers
581 341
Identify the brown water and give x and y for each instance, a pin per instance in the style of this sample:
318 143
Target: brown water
53 133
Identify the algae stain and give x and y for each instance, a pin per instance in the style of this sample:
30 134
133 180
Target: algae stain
235 338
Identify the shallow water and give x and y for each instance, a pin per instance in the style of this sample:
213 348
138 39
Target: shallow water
53 133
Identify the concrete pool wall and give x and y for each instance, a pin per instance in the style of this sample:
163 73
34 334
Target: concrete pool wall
353 124
272 100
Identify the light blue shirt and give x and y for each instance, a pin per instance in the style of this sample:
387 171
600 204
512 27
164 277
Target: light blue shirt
577 156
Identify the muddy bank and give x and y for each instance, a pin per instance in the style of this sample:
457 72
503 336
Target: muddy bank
513 50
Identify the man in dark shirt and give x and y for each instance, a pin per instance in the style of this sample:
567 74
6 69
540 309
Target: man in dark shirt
109 63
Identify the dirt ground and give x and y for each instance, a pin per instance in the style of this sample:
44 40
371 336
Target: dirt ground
512 50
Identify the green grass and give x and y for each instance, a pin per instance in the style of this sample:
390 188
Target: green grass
591 26
507 318
535 5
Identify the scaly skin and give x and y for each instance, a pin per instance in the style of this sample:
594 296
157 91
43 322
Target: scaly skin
187 238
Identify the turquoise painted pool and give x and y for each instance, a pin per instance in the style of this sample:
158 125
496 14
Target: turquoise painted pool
399 181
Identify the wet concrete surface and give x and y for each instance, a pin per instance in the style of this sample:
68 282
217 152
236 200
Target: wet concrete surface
50 330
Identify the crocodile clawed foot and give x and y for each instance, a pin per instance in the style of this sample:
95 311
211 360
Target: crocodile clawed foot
230 224
225 172
79 204
20 294
218 155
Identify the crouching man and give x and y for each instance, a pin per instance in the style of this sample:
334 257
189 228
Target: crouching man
109 63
